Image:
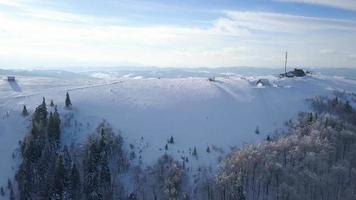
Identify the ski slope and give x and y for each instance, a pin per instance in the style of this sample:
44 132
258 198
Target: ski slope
198 113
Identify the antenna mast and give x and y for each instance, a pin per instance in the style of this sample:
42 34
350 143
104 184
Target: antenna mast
285 64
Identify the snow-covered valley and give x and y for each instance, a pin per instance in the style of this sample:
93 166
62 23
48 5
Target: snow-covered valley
198 113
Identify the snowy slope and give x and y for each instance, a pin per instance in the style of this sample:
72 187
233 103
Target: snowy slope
148 111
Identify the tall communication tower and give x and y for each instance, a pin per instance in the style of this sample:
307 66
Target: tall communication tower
285 64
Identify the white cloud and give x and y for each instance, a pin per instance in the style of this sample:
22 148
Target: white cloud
343 4
41 37
275 22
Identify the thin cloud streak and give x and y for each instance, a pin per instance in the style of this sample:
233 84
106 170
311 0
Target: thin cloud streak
342 4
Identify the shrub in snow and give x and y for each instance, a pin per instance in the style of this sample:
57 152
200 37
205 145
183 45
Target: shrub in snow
195 153
68 103
24 111
257 130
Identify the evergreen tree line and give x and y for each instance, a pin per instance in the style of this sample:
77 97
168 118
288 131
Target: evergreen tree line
48 170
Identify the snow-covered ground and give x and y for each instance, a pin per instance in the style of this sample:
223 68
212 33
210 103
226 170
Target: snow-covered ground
147 111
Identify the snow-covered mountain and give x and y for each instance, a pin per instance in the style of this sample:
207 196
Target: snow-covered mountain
148 110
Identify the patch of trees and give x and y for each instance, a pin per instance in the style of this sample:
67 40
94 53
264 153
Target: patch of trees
168 174
316 160
163 180
39 151
334 106
48 170
103 160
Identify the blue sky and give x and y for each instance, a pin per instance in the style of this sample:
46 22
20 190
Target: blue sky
177 33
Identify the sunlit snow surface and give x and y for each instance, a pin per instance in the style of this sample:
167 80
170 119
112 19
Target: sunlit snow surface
148 111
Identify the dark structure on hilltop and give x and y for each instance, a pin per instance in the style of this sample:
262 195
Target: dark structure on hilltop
11 78
295 73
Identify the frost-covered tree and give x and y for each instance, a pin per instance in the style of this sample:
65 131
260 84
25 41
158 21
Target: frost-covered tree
103 160
39 120
169 176
314 160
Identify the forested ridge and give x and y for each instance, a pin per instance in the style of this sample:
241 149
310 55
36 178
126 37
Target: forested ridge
315 158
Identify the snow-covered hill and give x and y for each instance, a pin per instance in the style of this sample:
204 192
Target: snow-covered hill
220 114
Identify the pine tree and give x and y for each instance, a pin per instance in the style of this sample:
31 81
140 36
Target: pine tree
67 158
56 125
50 126
171 140
12 194
59 178
2 191
46 166
240 193
74 184
105 181
52 104
268 138
68 102
348 107
166 147
132 196
43 101
310 117
105 175
24 111
9 184
91 185
195 152
208 149
91 161
257 130
40 115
